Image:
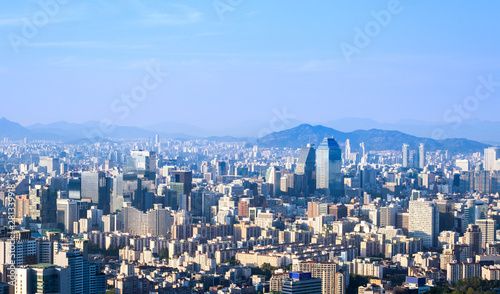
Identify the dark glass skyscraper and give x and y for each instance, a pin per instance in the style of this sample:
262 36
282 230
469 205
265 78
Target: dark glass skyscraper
96 188
328 167
306 167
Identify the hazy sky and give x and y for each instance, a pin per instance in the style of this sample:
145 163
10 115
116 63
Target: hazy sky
238 61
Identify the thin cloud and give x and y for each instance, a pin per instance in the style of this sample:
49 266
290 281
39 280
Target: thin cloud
14 21
72 61
208 34
319 66
174 15
84 44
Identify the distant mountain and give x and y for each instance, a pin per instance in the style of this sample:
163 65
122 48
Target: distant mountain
374 139
74 132
66 130
473 129
296 137
15 131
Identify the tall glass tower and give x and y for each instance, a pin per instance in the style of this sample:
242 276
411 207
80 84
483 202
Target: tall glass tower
328 167
305 166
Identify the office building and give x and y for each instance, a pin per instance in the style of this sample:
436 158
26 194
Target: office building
487 228
43 206
75 188
424 222
182 177
96 189
492 158
421 156
473 238
328 168
301 283
143 163
406 155
85 276
306 166
42 278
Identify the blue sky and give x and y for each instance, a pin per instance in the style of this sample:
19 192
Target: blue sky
261 56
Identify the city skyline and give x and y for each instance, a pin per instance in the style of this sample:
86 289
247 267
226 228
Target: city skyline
249 147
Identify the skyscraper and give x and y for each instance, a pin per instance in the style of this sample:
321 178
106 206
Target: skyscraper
42 278
424 222
84 274
52 164
43 206
96 188
347 154
421 155
142 162
473 238
273 177
362 150
406 155
328 167
306 166
487 227
75 188
446 214
67 211
185 178
491 158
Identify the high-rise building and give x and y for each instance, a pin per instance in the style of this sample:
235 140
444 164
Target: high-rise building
142 162
306 166
52 164
491 158
462 164
273 177
446 214
421 155
196 202
328 167
42 278
473 238
362 150
388 215
406 155
331 274
18 250
487 227
222 169
97 188
43 206
67 214
301 283
182 177
459 271
85 276
155 222
75 188
347 153
424 222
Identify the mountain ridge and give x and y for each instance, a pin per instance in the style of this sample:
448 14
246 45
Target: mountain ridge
296 137
374 139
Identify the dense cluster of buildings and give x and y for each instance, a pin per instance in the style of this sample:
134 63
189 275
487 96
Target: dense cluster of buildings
198 216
